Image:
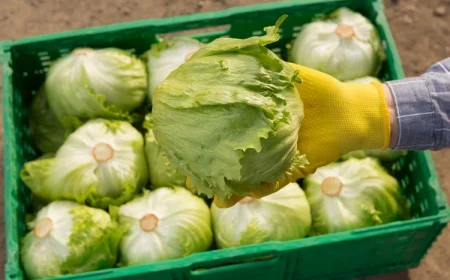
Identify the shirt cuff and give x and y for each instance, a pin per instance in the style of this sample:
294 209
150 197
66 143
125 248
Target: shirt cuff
415 114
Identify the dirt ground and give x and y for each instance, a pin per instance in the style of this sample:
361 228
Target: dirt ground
421 30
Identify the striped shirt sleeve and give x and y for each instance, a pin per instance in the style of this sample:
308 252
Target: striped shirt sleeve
423 109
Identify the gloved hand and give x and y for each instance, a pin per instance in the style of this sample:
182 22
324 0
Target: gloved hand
339 118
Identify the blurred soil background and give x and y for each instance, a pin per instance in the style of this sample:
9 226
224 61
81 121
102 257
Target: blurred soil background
421 30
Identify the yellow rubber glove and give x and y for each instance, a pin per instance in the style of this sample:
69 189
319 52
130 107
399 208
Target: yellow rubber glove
339 118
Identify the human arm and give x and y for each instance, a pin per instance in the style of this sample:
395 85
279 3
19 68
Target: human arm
422 109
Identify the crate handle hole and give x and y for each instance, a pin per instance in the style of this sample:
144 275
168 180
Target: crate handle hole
260 261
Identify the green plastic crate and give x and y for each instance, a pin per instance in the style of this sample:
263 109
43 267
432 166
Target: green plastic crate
345 255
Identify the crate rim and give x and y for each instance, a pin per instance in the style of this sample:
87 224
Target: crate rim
224 15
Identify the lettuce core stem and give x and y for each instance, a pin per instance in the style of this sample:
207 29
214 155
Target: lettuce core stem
345 31
149 222
331 186
103 152
43 227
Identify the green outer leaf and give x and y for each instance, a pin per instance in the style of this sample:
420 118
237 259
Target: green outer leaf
252 235
37 176
233 100
47 132
34 174
161 171
94 241
70 91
